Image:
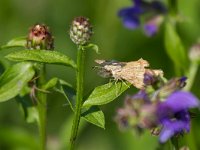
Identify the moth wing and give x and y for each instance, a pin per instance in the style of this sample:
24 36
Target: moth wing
133 72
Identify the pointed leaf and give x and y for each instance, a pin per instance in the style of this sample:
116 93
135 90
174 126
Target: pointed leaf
175 48
50 84
67 91
42 56
14 79
95 116
17 42
93 47
105 93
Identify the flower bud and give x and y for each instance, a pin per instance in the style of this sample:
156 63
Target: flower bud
39 37
129 115
151 77
152 26
172 86
148 118
194 53
80 31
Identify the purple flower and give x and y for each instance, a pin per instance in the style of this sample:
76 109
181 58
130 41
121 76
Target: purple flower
173 114
128 115
131 15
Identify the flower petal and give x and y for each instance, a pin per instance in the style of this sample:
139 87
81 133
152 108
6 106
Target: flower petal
130 11
131 22
180 100
173 127
165 135
150 29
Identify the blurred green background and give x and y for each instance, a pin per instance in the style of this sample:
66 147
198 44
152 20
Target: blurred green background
114 41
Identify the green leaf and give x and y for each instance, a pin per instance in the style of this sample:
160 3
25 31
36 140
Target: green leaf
175 48
95 116
67 91
50 84
42 56
14 79
16 138
105 93
17 42
93 47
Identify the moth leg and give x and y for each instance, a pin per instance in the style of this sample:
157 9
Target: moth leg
124 82
33 96
41 90
111 81
117 91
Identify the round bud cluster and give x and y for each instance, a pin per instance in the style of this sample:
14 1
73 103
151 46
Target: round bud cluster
80 31
39 37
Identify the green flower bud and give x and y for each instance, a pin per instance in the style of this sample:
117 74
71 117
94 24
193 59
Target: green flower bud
39 37
80 31
194 53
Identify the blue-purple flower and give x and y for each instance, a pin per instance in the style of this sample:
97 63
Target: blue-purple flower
165 111
173 114
129 115
131 16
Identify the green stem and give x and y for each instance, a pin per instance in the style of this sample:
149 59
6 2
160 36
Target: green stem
174 141
173 7
79 96
191 75
42 108
191 78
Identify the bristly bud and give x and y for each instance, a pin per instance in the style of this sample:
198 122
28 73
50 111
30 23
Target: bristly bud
80 31
194 53
39 37
172 86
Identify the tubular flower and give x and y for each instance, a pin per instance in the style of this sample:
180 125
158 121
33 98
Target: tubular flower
131 16
173 114
164 111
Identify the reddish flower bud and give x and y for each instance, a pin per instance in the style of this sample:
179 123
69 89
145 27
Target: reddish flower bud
39 37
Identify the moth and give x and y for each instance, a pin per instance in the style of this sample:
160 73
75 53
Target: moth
132 72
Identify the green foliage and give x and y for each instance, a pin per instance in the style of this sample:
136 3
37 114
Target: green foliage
105 93
67 91
101 95
92 114
17 42
42 56
175 48
14 79
95 116
17 139
93 47
50 84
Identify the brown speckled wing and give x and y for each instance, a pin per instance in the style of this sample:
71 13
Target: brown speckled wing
133 72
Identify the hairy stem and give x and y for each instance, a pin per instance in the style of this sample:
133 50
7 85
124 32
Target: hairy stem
191 75
190 139
79 96
42 108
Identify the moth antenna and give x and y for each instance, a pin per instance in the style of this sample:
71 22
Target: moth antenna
97 67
